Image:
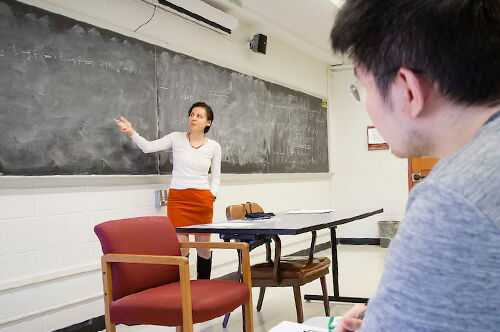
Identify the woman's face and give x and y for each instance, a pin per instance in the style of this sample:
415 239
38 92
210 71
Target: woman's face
197 120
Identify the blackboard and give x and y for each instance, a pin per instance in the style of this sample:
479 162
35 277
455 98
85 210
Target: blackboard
63 81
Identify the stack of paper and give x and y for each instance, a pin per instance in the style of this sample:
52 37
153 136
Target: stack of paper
310 211
245 222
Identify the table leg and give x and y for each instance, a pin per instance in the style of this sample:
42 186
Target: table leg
335 277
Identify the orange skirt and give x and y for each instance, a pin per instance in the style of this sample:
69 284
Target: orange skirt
188 207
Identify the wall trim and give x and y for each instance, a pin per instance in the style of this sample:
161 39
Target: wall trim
342 67
57 181
49 276
41 312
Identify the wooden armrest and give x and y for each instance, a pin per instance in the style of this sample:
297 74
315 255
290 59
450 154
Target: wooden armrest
144 259
182 262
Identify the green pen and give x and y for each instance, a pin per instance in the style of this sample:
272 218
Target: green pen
330 323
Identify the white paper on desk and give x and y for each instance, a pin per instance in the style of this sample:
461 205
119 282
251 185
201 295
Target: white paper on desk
245 222
232 224
296 327
310 211
258 220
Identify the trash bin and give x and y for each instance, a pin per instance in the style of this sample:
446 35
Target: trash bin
387 230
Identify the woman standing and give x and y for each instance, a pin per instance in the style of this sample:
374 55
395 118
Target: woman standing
191 196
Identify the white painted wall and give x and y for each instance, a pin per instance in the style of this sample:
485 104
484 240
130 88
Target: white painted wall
363 179
48 252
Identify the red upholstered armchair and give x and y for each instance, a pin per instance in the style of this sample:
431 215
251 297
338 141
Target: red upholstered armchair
146 281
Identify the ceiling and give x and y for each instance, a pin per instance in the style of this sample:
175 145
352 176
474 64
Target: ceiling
302 24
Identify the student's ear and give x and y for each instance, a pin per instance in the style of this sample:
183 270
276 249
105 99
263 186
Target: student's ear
414 88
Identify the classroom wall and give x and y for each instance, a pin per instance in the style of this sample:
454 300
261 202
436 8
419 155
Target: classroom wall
50 257
363 179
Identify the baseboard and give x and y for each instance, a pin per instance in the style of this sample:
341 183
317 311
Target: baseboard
317 248
91 325
359 241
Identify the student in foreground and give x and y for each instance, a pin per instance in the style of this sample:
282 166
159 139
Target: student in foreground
431 70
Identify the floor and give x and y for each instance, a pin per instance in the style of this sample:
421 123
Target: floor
360 269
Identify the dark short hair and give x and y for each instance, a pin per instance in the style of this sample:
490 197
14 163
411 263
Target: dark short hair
208 111
455 43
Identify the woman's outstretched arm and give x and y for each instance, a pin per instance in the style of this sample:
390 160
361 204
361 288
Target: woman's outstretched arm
146 146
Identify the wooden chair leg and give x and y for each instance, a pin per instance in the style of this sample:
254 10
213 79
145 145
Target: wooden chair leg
108 296
326 302
261 298
179 329
110 327
298 304
247 317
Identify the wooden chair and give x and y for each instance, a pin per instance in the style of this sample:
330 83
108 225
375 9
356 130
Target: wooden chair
156 289
288 271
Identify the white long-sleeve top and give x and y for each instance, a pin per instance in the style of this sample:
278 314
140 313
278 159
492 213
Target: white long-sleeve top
190 165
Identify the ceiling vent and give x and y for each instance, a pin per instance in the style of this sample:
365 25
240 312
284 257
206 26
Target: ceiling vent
201 13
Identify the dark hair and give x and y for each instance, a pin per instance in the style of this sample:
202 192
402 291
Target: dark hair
208 111
455 43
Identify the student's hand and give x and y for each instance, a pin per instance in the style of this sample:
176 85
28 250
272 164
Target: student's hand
350 321
125 126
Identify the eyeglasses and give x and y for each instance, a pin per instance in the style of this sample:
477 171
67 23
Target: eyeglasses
361 97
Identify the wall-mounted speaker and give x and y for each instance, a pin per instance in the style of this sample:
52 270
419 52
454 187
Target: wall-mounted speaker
258 43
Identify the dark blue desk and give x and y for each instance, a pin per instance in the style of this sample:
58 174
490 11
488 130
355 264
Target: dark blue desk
287 224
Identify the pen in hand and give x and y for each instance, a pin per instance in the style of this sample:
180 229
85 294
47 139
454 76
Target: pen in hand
332 324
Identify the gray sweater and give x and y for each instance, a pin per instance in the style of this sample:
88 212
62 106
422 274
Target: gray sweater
442 271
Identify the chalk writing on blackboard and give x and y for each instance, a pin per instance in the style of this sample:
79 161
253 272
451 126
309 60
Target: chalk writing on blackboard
63 82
